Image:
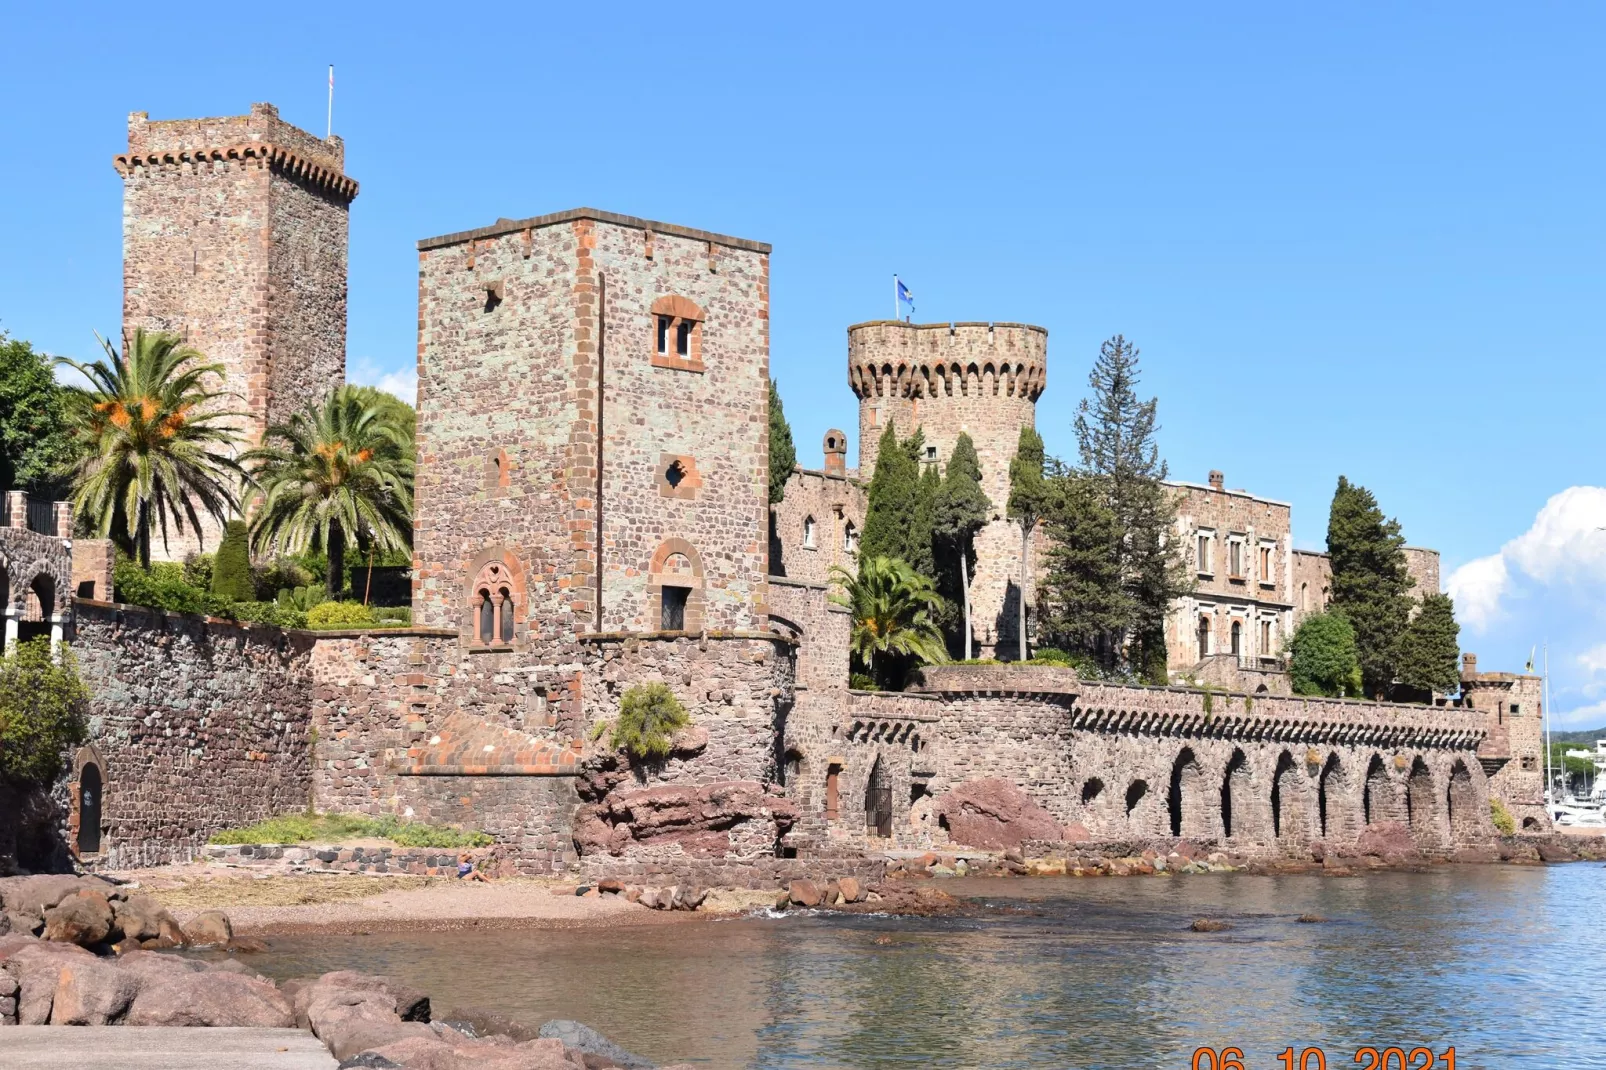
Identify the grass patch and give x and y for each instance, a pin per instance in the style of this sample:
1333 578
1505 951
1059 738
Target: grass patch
333 828
283 891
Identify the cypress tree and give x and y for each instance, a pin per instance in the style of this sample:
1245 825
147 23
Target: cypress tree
1028 496
1430 649
1370 581
231 568
922 550
961 510
783 452
1083 607
893 499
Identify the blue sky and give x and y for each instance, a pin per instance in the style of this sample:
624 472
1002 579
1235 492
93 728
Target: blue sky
1362 240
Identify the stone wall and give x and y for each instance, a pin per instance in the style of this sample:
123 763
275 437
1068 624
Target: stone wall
983 379
195 725
1511 708
35 582
1261 774
517 322
816 526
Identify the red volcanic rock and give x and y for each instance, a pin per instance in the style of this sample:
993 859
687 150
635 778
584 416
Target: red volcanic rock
1389 840
92 992
804 893
698 818
83 918
1076 832
994 814
213 998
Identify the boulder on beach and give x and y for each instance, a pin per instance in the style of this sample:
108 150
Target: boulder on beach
92 991
352 1012
143 919
83 918
993 814
804 893
210 998
210 928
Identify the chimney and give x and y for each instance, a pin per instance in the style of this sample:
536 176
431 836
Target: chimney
836 453
1217 480
1469 665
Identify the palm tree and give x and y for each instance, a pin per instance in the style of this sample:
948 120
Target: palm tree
152 442
335 470
894 615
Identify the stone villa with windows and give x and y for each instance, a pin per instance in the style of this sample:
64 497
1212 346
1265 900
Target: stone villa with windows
592 513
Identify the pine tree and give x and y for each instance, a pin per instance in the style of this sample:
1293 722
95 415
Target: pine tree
231 567
961 511
1028 496
1430 650
1083 607
783 452
1116 436
1370 581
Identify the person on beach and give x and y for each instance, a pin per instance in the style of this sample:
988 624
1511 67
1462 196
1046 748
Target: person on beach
466 870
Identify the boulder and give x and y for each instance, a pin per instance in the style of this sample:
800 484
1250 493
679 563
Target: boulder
1389 840
1556 852
803 893
92 992
994 814
849 887
210 928
210 998
83 918
143 919
689 741
477 1023
585 1039
150 966
40 892
352 1013
368 1060
37 967
18 921
412 1004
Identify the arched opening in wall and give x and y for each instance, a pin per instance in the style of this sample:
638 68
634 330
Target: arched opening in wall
1529 824
1234 788
676 587
1091 790
1331 780
1419 815
808 533
1304 597
494 608
850 538
1183 793
1135 792
1461 804
1281 781
1237 639
1204 637
1375 791
89 790
39 606
878 801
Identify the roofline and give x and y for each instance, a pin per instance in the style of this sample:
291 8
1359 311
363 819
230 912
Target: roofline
1181 483
946 326
513 226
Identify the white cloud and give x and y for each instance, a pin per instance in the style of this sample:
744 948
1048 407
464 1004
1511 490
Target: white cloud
401 382
1476 588
1593 660
1565 546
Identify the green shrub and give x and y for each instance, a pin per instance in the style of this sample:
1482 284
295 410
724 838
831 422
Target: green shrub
163 587
339 615
1502 817
392 614
43 711
198 570
649 714
284 574
280 616
301 598
333 828
860 682
1049 655
231 568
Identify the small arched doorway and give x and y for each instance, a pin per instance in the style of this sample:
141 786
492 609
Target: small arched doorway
878 801
89 800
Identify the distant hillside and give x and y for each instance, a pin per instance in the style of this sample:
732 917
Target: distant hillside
1585 736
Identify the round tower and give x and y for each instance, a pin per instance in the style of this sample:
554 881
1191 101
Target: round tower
982 379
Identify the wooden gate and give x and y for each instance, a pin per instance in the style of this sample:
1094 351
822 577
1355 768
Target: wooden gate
878 801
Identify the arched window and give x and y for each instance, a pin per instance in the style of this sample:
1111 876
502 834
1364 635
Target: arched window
1204 637
493 607
1237 638
677 334
1304 597
808 532
850 538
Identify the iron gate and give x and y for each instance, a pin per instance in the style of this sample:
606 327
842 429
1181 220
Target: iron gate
878 802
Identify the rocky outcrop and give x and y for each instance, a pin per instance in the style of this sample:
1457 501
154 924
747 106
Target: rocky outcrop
994 814
86 911
705 821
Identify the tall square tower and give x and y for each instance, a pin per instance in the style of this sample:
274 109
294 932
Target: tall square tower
234 237
592 429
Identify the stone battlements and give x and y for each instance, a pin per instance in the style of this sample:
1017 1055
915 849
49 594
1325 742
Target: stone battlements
891 359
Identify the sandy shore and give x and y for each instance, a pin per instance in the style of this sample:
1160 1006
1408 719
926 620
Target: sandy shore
275 905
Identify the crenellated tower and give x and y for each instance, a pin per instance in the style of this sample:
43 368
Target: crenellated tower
982 379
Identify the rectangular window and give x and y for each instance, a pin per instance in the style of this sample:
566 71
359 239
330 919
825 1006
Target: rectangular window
1265 639
1265 565
1204 555
664 323
672 616
1235 559
683 331
833 792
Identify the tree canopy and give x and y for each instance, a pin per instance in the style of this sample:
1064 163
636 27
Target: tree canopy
890 519
960 510
1370 582
1322 657
44 709
1083 606
35 441
894 611
1430 650
1028 498
783 452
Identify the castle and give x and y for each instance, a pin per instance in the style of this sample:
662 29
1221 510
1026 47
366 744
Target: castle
592 512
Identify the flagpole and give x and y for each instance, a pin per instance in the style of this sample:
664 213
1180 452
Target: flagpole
897 307
330 129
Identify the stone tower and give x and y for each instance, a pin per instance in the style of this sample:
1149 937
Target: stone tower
593 392
234 236
1513 751
983 379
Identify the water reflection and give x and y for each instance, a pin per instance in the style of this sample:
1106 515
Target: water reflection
1079 974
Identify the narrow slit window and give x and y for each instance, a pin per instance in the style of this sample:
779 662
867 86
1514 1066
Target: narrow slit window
664 323
683 338
487 618
507 615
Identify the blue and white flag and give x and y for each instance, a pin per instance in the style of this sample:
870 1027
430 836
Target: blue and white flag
905 296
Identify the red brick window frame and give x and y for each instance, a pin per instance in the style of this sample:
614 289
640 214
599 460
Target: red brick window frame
677 568
677 334
493 602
